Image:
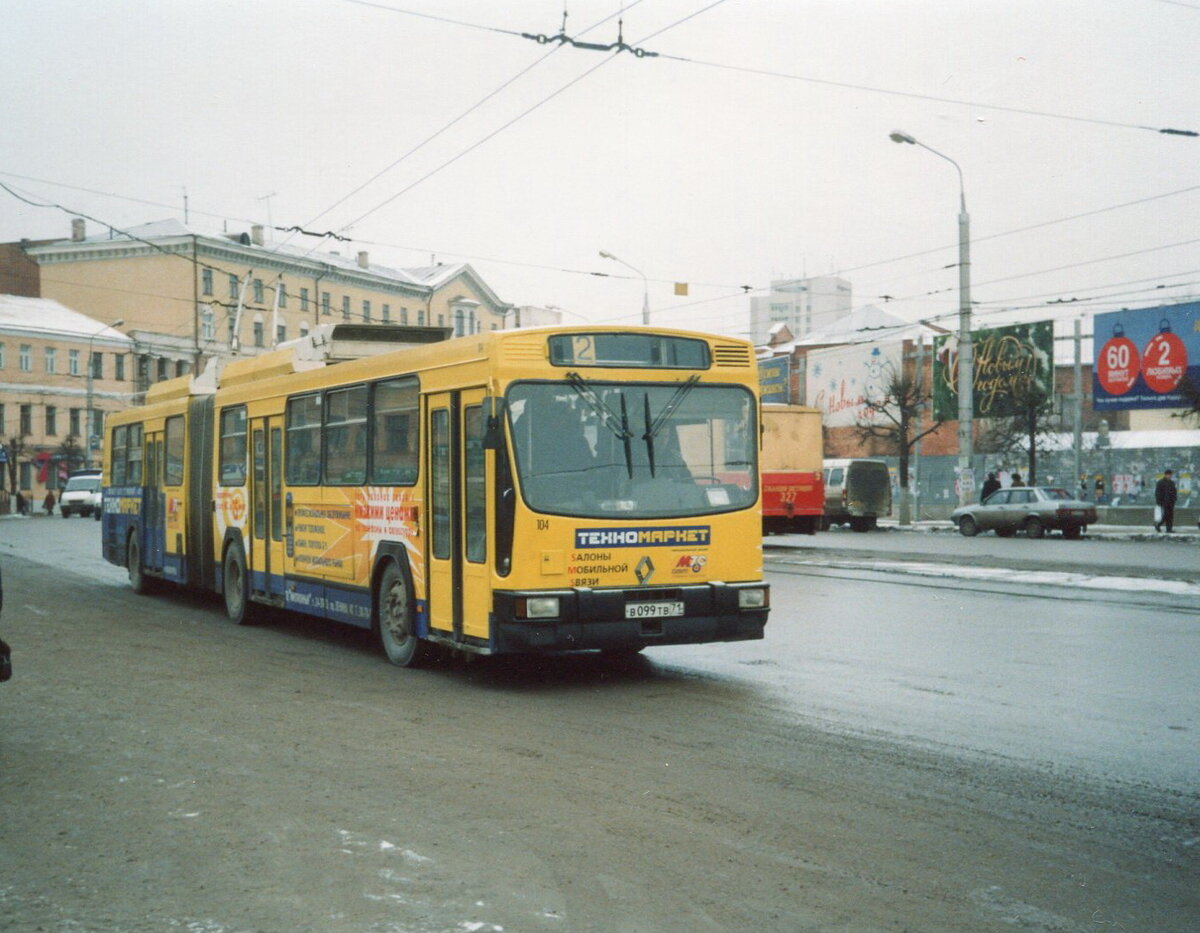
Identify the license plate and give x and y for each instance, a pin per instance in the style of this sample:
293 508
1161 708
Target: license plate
658 610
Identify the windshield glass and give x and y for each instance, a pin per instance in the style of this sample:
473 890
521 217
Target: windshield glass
1057 494
637 450
88 483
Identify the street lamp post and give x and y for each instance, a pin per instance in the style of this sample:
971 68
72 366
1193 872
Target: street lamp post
91 369
966 356
645 285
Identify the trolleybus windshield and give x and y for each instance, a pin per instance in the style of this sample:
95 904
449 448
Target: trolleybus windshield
633 450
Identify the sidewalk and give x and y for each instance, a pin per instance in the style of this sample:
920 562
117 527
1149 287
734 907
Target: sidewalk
1094 532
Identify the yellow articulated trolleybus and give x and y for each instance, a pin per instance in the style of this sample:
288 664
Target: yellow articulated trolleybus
536 490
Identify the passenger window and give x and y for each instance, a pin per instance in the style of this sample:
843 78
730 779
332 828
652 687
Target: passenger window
396 434
174 454
304 440
233 447
120 444
346 436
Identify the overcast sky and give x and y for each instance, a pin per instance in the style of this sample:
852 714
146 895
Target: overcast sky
754 147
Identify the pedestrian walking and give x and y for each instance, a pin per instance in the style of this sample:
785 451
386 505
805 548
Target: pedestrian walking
48 502
990 485
1165 495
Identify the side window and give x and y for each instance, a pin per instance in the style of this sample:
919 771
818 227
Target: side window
346 436
174 453
304 440
396 420
232 466
999 497
120 444
133 459
836 475
439 442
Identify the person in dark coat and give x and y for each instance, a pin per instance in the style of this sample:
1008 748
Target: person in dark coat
990 485
1016 480
48 502
1165 494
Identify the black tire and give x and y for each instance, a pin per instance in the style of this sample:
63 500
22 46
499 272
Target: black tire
139 582
1073 532
234 584
1034 527
395 619
967 527
860 524
65 513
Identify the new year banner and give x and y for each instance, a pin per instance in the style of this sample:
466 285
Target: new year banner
1011 365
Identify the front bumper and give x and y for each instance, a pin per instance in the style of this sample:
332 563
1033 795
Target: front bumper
595 619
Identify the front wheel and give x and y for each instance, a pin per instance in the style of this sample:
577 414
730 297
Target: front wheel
234 583
396 619
1034 527
967 527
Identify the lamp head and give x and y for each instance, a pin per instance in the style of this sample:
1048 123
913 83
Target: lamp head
897 136
604 255
118 322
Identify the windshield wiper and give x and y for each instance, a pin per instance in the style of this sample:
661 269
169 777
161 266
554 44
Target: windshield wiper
667 410
618 426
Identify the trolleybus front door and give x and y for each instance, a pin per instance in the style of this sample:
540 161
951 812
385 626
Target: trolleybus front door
266 507
456 499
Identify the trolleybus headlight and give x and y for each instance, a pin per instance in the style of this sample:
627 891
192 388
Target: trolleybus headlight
538 607
755 598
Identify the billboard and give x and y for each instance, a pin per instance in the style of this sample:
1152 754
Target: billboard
774 379
842 380
1009 364
1143 357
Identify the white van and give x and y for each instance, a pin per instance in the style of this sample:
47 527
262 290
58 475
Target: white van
81 495
857 493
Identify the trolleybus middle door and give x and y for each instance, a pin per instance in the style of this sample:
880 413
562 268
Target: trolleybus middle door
456 503
266 507
155 529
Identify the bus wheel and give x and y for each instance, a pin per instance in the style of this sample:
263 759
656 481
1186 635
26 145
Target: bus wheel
396 619
138 581
234 575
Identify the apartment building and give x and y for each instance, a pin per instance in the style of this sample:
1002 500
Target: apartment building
187 296
61 373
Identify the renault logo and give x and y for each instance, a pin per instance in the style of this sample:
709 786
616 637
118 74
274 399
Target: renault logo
644 570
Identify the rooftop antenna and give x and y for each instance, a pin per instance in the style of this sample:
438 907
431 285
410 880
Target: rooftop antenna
267 198
185 205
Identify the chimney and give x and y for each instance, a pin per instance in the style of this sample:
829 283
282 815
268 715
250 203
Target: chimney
364 261
256 235
78 229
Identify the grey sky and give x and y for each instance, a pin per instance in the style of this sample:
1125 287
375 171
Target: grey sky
703 173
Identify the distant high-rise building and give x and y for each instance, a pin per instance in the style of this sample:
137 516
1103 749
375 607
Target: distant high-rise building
804 305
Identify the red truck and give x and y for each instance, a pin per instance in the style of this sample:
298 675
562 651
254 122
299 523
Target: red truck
792 457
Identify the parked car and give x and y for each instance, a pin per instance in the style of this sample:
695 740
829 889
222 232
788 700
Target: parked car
857 493
81 495
5 651
1031 509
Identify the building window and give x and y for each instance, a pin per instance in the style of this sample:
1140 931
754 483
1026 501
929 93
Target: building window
304 299
76 421
51 359
97 365
441 320
404 316
163 371
206 281
233 286
258 291
120 358
26 358
304 328
282 292
325 303
366 311
51 421
280 333
420 319
258 333
73 362
1 355
231 328
345 307
97 423
387 314
207 328
26 419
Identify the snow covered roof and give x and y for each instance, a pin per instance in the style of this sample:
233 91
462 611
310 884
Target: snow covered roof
868 324
43 317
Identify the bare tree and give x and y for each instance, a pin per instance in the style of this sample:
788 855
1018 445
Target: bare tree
1031 425
892 418
1191 400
